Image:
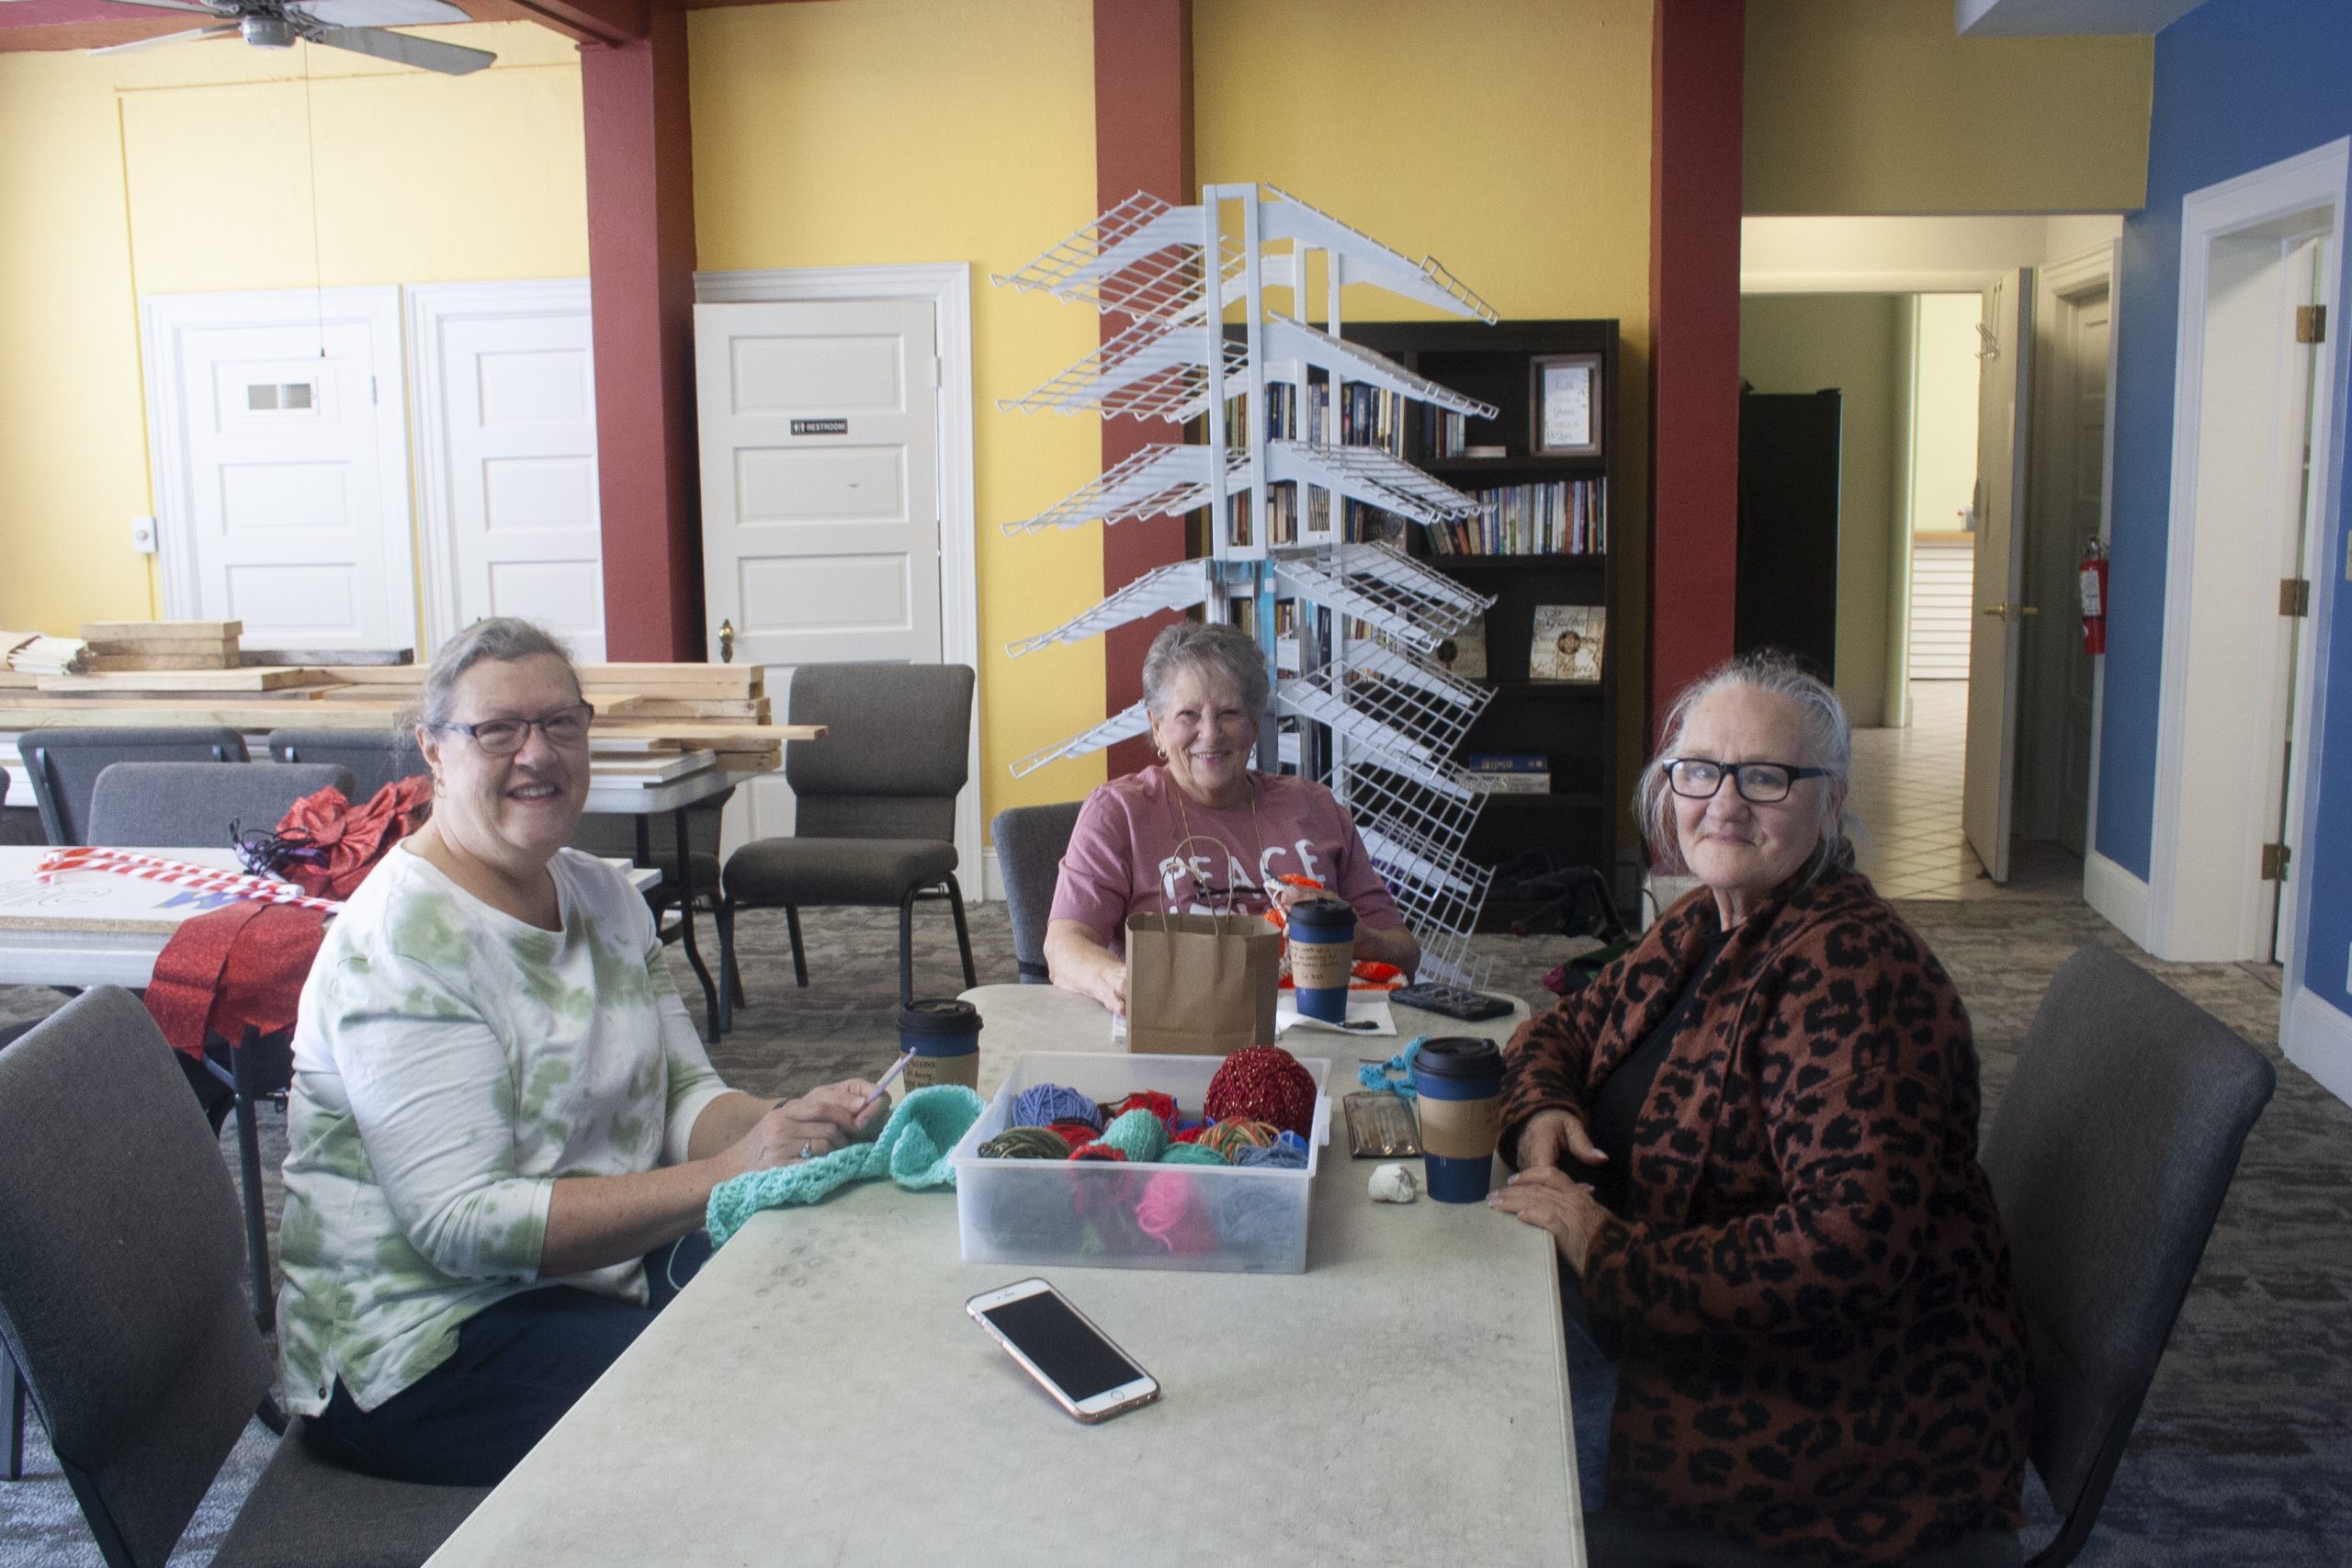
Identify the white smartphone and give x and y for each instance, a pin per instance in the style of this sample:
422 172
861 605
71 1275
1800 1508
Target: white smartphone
1087 1374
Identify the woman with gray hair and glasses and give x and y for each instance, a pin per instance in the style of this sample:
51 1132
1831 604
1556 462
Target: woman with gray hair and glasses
1202 832
1753 1139
501 1123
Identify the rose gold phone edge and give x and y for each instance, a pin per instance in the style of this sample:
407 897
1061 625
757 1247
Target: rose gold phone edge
1074 1409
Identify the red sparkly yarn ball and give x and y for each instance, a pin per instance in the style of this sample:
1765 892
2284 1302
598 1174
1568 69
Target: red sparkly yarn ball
1264 1083
1077 1134
1098 1150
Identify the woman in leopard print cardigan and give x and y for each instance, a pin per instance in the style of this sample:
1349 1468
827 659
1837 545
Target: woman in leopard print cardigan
1820 1349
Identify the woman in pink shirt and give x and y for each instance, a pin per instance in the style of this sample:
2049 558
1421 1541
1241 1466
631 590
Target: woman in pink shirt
1202 832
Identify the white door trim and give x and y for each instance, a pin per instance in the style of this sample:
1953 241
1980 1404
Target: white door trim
164 317
429 307
2313 179
948 287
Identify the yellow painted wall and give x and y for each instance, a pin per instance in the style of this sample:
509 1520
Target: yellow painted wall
190 169
1509 138
1874 107
910 130
1943 478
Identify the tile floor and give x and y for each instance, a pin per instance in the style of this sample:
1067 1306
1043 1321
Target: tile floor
1906 789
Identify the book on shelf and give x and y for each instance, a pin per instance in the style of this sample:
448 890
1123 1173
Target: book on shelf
1566 642
1510 772
1464 655
1556 517
1445 434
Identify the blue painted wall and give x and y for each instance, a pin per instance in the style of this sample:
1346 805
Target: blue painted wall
2239 84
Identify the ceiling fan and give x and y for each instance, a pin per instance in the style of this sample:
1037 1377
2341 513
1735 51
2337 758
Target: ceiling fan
355 25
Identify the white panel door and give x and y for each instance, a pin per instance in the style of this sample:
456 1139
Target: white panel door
281 480
506 454
1988 783
819 429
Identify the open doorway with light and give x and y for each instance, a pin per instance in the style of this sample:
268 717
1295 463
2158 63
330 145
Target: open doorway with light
1969 453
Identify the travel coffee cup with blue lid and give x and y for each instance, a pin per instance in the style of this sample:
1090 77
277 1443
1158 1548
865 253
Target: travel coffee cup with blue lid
945 1038
1459 1082
1322 956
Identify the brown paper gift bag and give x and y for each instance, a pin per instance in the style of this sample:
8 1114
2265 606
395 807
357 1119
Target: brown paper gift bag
1201 985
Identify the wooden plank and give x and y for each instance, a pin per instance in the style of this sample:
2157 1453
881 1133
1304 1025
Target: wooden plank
364 657
258 679
332 710
406 677
702 680
754 710
110 631
116 663
160 647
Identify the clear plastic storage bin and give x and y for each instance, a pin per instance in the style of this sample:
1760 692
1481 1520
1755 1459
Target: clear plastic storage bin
1116 1216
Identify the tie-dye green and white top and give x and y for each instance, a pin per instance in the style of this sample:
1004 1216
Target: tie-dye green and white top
450 1063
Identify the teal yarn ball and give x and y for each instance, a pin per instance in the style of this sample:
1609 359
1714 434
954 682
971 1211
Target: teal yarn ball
1138 1134
1192 1154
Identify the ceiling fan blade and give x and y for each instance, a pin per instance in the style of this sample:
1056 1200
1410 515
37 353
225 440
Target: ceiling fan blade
380 13
226 30
176 5
401 50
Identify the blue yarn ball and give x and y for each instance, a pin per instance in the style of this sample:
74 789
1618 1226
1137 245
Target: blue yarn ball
1042 1105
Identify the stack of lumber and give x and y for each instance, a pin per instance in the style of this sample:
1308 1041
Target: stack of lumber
643 711
121 646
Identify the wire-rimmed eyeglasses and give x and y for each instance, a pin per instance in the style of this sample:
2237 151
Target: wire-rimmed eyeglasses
565 727
1758 784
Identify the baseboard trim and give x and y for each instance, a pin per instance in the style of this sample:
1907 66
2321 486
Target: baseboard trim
2121 897
2318 1039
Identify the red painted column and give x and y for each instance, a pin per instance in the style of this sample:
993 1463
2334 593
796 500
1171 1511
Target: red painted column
1697 55
1143 141
641 273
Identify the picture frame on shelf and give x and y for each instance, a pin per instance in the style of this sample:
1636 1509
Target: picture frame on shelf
1565 398
1566 643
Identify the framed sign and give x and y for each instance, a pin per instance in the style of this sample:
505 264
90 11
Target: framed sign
1564 395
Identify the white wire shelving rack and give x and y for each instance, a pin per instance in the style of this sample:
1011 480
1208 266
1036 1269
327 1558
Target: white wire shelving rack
1376 718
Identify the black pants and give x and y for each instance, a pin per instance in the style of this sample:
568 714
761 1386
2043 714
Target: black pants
518 1366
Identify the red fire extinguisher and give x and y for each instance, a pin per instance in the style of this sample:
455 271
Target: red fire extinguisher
2091 577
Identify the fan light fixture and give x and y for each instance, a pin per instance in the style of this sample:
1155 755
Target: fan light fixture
358 26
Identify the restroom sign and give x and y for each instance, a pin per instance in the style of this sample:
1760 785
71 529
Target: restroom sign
820 427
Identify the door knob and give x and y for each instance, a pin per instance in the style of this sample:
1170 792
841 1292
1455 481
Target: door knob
727 642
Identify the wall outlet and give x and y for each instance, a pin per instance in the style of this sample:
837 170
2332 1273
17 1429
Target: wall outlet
142 536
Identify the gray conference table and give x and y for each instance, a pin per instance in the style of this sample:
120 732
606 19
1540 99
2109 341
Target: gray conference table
816 1394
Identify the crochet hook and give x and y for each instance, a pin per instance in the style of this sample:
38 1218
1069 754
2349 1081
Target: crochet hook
883 1086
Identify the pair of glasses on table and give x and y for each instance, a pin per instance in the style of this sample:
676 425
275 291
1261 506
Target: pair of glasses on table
504 736
1758 784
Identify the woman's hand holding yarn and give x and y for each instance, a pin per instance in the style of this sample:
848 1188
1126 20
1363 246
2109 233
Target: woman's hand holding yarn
816 1124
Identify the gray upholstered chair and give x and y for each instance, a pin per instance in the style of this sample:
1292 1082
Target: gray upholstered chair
121 1304
201 804
2111 1152
376 757
65 766
875 804
1030 841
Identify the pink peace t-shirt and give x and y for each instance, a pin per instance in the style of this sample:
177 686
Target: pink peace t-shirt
1124 856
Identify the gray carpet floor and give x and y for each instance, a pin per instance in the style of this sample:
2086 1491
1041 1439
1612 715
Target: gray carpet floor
2242 1457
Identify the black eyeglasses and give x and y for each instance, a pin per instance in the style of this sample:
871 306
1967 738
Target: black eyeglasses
504 736
1760 783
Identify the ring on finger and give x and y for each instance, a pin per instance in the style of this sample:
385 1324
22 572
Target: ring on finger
807 1145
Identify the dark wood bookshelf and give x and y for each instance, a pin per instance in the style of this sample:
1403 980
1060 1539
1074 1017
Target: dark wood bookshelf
1573 725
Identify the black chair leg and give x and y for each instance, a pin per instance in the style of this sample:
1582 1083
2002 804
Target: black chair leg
249 1094
906 949
799 962
11 1383
733 981
963 933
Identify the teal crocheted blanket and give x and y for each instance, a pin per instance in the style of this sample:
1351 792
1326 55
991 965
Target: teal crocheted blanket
912 1151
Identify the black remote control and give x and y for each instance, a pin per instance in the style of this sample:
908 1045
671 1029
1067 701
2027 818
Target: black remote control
1453 1001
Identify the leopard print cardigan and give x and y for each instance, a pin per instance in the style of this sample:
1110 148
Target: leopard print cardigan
1823 1352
